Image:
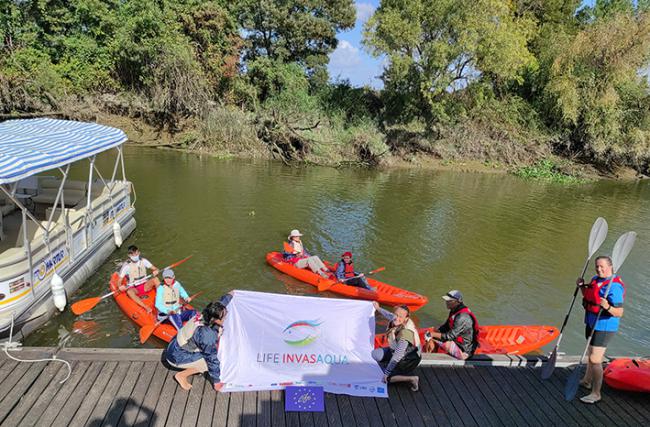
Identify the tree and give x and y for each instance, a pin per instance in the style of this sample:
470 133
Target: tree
301 31
437 47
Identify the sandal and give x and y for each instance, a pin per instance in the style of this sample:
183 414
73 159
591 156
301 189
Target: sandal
589 399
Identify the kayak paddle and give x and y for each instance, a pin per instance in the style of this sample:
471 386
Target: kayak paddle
325 285
622 248
147 330
596 238
288 248
84 305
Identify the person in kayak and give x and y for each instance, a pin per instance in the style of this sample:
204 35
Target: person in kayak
611 311
458 336
135 268
301 258
345 273
403 354
168 300
194 348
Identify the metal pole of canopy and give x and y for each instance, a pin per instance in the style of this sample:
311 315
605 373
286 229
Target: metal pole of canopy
88 204
28 250
59 195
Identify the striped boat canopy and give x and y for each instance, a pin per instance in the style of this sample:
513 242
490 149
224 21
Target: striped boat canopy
28 147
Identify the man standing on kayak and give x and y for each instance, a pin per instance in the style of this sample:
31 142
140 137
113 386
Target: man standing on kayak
135 268
458 336
194 348
611 311
168 300
345 273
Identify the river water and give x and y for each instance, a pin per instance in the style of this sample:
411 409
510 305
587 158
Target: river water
513 247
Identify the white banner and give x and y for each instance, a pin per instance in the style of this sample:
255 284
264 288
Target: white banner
271 341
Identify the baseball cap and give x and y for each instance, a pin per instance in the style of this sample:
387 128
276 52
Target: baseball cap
453 295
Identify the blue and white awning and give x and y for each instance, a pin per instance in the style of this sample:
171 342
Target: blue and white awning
28 147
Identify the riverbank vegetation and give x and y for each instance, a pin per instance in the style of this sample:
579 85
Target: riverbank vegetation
517 83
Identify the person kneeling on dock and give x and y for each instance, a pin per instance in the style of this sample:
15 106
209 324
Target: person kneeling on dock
402 355
168 301
345 273
135 268
458 336
194 348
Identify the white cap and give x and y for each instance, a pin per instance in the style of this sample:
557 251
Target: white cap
453 295
294 233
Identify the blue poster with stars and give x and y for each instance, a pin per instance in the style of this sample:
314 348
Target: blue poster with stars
304 399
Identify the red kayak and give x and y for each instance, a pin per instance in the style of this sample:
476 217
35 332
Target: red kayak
165 331
501 339
385 293
629 375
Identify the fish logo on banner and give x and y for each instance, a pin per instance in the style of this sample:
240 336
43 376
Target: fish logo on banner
301 333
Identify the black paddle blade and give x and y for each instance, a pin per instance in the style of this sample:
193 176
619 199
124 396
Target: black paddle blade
572 383
547 370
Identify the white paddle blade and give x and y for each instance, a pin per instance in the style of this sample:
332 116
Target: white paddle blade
622 248
597 235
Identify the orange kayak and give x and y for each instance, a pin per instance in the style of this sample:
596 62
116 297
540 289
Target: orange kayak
385 294
629 374
165 331
501 339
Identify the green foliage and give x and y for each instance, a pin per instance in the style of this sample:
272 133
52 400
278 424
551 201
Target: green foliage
547 170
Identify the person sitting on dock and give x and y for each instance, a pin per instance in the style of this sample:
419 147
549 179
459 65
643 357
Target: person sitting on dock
168 300
345 273
194 348
301 258
458 336
611 311
134 269
403 353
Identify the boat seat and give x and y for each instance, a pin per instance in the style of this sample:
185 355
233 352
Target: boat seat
73 191
7 206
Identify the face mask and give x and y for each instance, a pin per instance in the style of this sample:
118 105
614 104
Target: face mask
135 258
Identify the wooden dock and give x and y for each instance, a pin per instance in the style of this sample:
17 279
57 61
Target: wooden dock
111 387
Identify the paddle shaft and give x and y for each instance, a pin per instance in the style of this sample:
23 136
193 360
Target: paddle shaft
575 294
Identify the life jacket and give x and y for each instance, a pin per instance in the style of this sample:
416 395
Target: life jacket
392 341
349 269
170 296
591 293
475 327
185 334
137 269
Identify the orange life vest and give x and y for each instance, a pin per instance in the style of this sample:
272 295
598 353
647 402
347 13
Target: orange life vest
591 293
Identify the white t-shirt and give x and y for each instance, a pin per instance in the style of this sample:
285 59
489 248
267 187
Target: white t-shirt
124 271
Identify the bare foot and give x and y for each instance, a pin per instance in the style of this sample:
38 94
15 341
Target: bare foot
182 381
415 384
585 385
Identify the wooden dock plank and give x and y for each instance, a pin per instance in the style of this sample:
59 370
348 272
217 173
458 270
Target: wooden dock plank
249 412
345 409
510 393
396 405
359 411
164 402
235 409
277 409
193 405
436 401
306 419
147 410
332 411
475 381
535 403
439 377
123 394
207 405
636 402
91 397
13 378
74 402
386 413
15 393
372 411
221 407
406 396
105 400
30 396
63 393
177 405
138 394
501 395
264 408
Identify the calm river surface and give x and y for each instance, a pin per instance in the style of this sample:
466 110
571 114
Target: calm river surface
512 247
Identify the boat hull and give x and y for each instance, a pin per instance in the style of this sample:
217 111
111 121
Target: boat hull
629 375
386 294
501 339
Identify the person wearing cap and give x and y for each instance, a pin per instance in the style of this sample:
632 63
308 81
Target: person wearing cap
301 258
194 348
345 273
403 354
168 300
135 269
458 336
